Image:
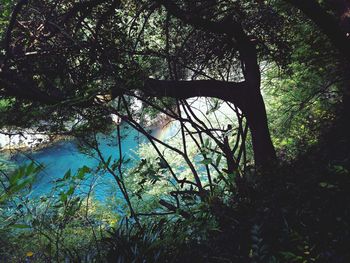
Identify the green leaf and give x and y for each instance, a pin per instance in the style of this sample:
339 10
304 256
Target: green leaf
115 165
108 161
207 161
63 197
327 185
30 168
22 226
206 142
340 169
218 159
82 171
70 191
67 175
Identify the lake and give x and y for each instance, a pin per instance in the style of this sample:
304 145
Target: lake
61 156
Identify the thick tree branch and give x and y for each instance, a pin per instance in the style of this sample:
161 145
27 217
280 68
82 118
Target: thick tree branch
251 104
15 12
233 30
230 91
12 85
8 37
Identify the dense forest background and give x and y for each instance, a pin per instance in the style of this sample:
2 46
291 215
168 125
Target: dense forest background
256 93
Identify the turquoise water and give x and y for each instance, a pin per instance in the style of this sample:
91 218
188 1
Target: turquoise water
64 155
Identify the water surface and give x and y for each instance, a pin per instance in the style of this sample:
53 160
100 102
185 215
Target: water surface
67 155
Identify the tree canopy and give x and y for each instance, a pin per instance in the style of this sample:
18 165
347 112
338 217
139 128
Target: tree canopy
277 71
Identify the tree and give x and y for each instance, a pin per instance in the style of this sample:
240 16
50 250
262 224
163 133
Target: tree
245 94
61 58
333 19
335 26
79 62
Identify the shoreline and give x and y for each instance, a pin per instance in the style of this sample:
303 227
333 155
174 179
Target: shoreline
29 141
36 145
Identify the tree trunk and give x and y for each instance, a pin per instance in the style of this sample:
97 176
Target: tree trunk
251 104
264 151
